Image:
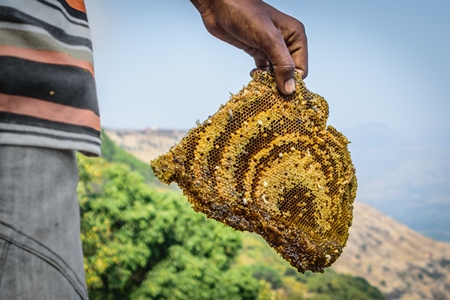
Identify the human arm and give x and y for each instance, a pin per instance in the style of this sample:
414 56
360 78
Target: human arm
271 37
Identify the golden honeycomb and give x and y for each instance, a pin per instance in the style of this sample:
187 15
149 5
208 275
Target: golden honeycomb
269 164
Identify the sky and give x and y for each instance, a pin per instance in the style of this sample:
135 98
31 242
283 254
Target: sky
376 62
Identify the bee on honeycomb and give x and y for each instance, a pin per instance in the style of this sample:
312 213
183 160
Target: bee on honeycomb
268 163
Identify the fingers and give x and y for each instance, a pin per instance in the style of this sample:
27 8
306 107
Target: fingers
269 36
281 42
283 64
289 49
270 52
298 48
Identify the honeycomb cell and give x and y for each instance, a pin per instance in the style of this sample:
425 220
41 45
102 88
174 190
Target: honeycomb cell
268 163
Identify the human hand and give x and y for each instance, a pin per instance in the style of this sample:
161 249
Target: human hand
271 37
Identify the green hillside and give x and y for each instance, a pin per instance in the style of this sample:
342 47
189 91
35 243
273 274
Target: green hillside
287 283
112 153
143 241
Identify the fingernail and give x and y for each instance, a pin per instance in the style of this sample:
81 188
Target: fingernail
289 86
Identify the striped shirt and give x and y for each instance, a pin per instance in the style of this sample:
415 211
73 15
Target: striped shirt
47 87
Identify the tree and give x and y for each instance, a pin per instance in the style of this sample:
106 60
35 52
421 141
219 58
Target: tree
112 153
143 242
333 286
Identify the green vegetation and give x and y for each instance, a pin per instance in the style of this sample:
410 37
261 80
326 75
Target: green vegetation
115 154
268 274
331 285
142 241
327 286
146 243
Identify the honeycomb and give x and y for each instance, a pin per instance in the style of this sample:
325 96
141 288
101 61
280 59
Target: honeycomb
268 163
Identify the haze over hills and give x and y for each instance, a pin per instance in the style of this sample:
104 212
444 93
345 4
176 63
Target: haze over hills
407 180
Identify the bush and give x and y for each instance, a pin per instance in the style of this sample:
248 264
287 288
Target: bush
268 274
147 243
331 285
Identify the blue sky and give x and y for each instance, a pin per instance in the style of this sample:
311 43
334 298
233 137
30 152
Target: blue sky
384 62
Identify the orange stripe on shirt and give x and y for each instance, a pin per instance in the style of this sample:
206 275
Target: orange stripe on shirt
77 4
49 111
49 57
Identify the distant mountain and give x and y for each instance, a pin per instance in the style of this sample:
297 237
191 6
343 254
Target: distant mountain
402 263
145 144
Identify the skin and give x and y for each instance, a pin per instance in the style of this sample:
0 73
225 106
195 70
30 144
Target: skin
275 40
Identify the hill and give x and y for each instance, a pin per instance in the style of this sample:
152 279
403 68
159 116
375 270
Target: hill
408 181
402 263
128 227
145 144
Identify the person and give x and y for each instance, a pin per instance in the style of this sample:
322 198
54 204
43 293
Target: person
49 110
